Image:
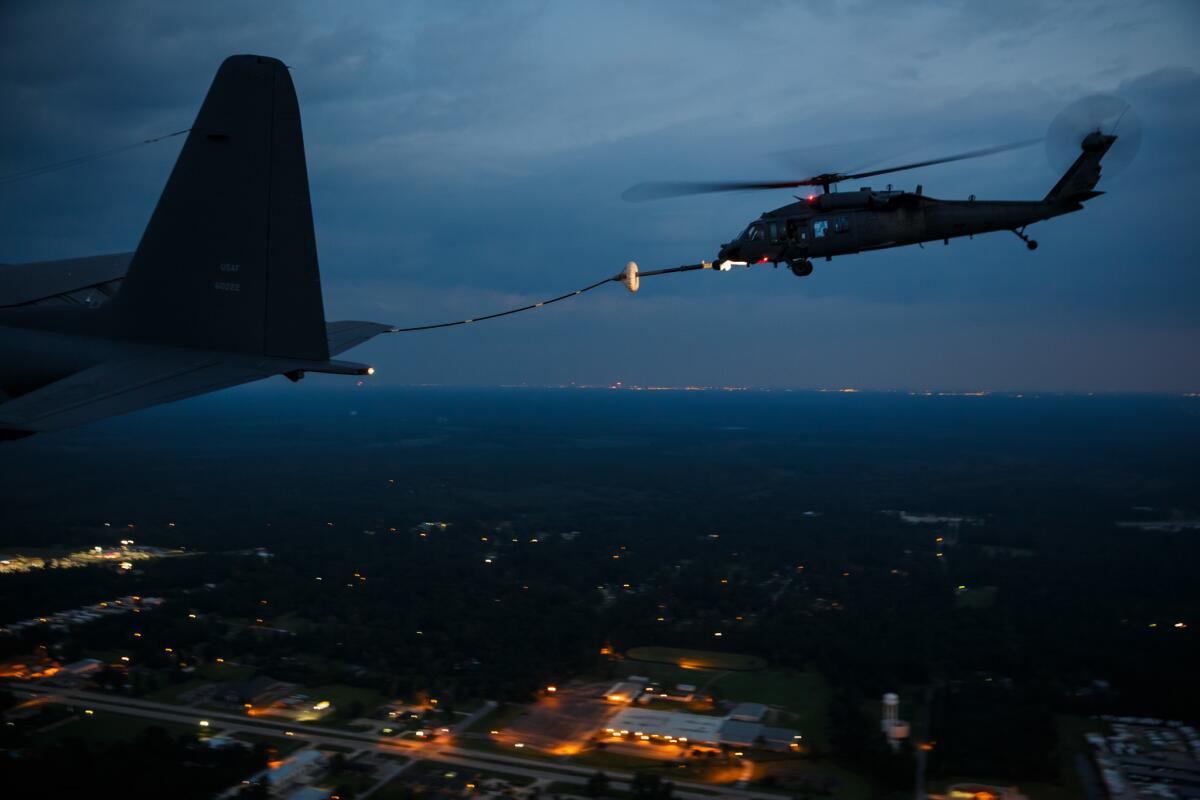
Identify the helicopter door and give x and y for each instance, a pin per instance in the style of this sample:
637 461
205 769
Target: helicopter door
835 234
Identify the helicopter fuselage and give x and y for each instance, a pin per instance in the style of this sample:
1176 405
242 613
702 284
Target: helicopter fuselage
843 223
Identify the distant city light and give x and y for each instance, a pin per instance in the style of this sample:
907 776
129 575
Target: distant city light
203 723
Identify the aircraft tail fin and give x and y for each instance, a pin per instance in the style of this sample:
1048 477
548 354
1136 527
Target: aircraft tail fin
229 259
1078 183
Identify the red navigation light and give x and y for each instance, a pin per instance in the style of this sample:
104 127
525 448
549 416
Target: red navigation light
812 198
762 260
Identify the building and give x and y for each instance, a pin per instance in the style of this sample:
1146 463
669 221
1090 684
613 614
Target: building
624 692
699 730
310 793
292 773
666 726
1141 757
258 692
748 712
681 693
738 733
77 672
982 791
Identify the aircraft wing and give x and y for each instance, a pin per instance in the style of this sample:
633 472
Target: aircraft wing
86 281
117 387
351 333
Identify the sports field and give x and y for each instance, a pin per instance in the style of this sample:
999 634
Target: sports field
695 659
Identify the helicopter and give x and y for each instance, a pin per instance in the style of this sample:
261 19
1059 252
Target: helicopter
835 223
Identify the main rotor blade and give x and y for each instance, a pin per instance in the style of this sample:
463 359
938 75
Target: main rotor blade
987 151
660 190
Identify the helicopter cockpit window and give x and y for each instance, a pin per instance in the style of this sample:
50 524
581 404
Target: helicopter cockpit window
820 228
754 233
841 224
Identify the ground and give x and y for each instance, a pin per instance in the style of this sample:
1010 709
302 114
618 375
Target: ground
501 717
225 672
284 745
431 772
171 692
848 785
107 726
978 598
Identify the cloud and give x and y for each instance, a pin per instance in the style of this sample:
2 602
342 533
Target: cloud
465 155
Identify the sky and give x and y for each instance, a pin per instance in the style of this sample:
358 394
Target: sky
468 157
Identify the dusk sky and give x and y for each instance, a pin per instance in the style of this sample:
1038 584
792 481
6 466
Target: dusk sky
468 157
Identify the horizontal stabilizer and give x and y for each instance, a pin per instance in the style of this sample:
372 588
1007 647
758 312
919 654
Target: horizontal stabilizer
344 334
82 281
118 387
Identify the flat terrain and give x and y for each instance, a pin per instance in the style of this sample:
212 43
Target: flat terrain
107 726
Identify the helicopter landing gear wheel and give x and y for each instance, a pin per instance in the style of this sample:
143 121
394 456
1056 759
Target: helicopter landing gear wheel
1030 243
801 268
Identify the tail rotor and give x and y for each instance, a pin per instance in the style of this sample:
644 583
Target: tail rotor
1104 113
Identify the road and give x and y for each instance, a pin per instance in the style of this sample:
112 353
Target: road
361 741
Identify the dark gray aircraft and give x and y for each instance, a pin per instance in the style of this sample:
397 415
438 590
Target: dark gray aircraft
837 223
223 288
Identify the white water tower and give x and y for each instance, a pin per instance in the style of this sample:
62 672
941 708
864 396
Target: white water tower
895 729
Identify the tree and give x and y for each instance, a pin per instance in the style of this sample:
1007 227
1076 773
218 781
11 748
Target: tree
597 784
256 790
646 786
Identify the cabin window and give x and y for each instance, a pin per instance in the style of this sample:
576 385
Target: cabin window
773 231
841 224
820 228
